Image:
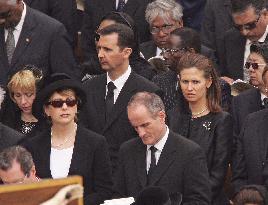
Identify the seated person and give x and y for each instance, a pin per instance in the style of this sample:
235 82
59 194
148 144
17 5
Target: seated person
17 166
159 157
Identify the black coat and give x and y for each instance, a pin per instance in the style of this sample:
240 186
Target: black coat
117 129
90 160
216 141
41 43
181 169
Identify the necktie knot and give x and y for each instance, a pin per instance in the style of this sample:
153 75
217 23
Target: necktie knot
153 149
111 88
121 5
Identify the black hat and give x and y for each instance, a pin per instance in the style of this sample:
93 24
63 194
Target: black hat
52 83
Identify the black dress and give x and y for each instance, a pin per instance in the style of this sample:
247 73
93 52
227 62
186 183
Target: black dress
213 132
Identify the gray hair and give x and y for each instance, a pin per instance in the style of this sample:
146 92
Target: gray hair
165 9
19 154
151 101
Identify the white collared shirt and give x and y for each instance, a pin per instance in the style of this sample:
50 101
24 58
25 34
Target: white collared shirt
117 2
262 98
119 83
18 28
159 146
247 52
158 51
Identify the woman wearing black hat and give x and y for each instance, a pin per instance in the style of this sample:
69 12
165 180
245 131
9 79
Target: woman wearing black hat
67 148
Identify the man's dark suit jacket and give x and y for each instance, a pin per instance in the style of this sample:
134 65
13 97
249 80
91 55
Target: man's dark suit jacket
90 160
96 9
251 154
63 11
247 102
232 55
8 137
181 169
117 128
43 42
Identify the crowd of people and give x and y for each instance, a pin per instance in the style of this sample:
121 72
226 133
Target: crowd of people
150 110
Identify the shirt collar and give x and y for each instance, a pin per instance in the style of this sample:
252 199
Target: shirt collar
20 24
161 143
119 82
262 39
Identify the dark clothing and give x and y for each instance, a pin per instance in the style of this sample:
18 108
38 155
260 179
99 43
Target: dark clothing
213 132
63 11
41 43
90 160
8 137
181 169
250 159
117 128
217 20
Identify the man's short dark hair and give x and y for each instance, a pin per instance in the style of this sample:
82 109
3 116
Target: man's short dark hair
239 6
125 34
189 38
18 154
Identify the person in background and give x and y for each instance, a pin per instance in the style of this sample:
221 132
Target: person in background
202 119
66 148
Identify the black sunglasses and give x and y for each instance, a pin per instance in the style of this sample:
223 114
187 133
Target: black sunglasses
248 26
255 66
59 103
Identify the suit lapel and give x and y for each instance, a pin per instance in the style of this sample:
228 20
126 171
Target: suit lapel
25 36
122 100
255 102
167 157
262 139
141 164
131 7
3 55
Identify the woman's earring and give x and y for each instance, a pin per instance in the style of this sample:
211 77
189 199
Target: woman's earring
266 89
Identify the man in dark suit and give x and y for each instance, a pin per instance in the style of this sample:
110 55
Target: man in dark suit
250 158
250 22
30 37
96 9
160 157
163 17
109 93
63 11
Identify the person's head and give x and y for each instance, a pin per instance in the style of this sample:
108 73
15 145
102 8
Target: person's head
163 17
114 47
146 113
16 166
22 88
60 99
250 17
10 12
256 62
181 40
251 195
198 81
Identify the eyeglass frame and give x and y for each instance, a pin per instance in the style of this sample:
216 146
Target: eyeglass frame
61 103
248 26
253 65
165 29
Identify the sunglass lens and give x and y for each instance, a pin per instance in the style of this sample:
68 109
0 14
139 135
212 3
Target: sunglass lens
255 66
71 102
247 65
57 103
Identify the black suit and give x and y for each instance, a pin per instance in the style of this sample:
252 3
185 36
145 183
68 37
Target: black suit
90 160
96 9
251 154
43 42
117 128
8 137
62 10
247 102
181 169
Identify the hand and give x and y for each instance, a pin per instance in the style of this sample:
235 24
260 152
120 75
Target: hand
65 195
227 79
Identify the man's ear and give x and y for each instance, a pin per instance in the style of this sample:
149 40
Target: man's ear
127 51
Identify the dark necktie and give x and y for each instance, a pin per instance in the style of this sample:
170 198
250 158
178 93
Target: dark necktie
109 101
10 44
265 102
152 165
121 5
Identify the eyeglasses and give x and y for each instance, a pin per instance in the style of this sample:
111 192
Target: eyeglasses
248 26
255 66
59 103
172 51
165 29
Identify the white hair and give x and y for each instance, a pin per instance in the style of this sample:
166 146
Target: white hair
165 9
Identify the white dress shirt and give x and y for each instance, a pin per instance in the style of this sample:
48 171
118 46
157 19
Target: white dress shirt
159 146
18 28
119 83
